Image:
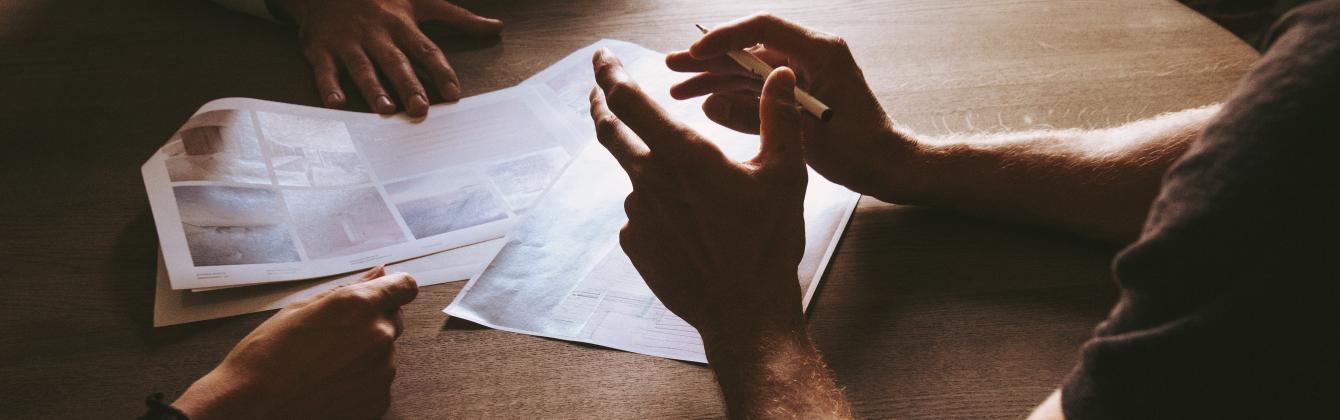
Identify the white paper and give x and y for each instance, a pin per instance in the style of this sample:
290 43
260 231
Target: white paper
251 191
562 274
172 307
569 81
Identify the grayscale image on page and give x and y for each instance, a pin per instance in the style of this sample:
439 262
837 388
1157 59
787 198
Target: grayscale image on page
562 274
251 191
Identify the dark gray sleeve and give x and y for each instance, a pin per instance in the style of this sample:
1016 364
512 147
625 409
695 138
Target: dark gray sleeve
1229 298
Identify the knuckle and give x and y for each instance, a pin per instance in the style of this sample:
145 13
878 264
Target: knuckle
344 294
427 48
766 17
354 299
607 126
388 54
604 66
837 46
627 234
360 68
630 209
622 91
836 42
827 39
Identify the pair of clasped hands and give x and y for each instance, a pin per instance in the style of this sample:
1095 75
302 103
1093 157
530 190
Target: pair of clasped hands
717 240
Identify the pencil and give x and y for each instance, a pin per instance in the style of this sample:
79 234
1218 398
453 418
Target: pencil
757 66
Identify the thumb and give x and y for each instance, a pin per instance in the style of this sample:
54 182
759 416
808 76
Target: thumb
779 121
373 273
391 291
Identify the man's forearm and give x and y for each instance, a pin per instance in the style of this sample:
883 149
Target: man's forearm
775 375
1099 183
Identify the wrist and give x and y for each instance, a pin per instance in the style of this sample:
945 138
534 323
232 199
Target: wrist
758 357
222 394
905 175
750 339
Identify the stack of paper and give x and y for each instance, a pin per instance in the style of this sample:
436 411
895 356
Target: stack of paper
252 192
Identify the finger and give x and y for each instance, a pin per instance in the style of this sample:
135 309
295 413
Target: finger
327 77
440 11
396 67
779 128
373 273
633 208
365 76
682 61
774 32
634 108
390 291
615 136
709 83
735 111
430 57
772 57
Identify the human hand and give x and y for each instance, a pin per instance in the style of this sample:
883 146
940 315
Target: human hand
717 241
331 356
859 148
363 36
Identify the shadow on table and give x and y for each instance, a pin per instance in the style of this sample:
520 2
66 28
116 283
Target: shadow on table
134 273
454 323
922 303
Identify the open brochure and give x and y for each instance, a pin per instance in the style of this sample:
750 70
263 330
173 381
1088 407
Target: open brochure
562 273
250 191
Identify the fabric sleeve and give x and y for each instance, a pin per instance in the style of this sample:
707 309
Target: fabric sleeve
258 8
1229 304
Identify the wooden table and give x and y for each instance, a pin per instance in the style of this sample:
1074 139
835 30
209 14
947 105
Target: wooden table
923 313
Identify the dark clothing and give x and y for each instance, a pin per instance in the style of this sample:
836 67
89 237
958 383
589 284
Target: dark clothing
1230 298
1248 19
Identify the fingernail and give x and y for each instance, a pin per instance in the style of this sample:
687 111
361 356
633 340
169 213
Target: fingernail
451 92
419 100
332 99
374 271
384 105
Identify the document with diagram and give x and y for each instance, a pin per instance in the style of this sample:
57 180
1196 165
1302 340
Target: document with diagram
251 191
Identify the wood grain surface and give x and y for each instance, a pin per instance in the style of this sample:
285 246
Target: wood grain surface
922 314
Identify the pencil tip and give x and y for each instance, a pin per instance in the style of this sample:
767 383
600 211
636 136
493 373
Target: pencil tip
701 28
